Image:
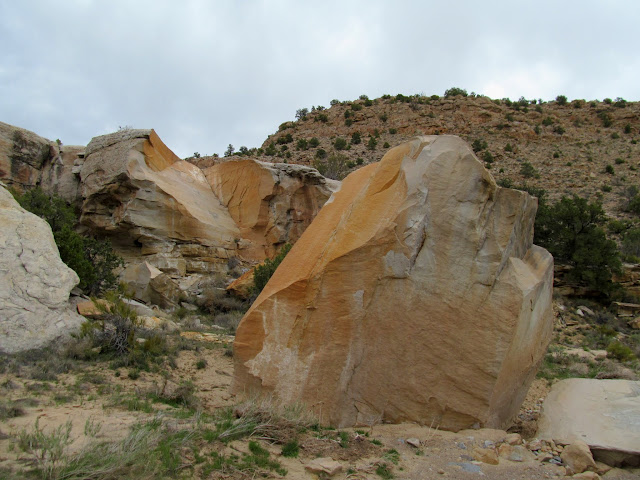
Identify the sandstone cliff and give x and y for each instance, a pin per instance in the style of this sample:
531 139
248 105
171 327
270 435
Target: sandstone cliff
415 295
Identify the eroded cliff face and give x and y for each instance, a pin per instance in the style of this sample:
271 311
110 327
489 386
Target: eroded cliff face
272 204
28 160
415 295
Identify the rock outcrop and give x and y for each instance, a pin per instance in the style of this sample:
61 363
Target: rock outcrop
22 156
272 203
151 203
415 295
34 283
605 414
28 160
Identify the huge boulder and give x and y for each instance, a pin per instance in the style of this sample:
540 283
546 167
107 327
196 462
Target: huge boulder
151 203
34 283
605 414
271 203
415 295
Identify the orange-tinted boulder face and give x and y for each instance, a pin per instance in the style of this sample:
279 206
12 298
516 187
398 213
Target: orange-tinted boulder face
415 295
272 203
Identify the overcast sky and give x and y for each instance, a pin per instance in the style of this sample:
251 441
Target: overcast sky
208 73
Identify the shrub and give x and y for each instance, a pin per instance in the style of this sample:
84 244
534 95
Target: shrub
454 92
615 135
571 231
340 143
559 129
620 102
355 138
302 113
609 169
321 153
302 144
508 148
271 150
323 117
393 131
619 351
372 143
605 118
547 121
529 171
334 167
479 144
561 100
314 142
93 260
386 145
627 128
487 157
263 273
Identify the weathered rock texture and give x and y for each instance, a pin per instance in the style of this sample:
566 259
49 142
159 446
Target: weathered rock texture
272 204
149 201
415 295
34 283
605 414
27 160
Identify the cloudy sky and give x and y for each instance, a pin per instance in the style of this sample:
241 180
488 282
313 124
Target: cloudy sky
208 73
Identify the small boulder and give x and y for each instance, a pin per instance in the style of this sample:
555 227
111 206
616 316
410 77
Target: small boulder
486 455
577 457
324 465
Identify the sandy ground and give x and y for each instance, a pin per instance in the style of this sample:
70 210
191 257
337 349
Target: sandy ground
439 455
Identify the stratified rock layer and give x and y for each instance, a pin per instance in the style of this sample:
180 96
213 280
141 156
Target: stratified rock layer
415 295
137 191
34 283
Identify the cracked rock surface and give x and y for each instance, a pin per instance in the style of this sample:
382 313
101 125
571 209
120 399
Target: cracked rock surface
34 282
416 295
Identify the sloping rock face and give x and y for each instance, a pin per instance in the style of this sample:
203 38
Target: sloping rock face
34 282
415 295
272 203
150 202
27 160
605 414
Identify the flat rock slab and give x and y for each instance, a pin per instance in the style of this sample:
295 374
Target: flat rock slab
605 414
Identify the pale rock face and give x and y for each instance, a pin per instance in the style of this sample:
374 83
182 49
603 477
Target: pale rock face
272 203
415 295
61 175
140 194
605 414
34 282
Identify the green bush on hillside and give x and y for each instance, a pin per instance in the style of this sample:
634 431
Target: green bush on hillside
92 259
571 229
263 273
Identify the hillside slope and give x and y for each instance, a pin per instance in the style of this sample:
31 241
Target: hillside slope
569 144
